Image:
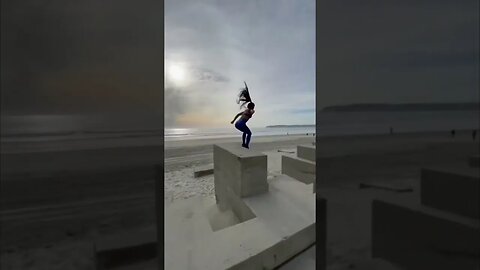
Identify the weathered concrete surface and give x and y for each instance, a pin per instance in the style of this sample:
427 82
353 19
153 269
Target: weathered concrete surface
222 219
474 161
300 169
202 171
239 170
389 186
283 225
420 237
306 152
126 248
238 173
455 190
303 261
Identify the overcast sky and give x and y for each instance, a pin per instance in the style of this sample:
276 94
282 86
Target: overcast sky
270 44
368 52
88 56
398 51
104 56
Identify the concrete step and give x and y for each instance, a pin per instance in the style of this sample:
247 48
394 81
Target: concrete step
452 189
306 152
125 248
304 261
301 169
414 236
365 263
283 225
203 171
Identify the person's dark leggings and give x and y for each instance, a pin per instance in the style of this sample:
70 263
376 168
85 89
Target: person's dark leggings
247 134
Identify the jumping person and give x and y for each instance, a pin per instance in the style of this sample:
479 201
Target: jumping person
241 124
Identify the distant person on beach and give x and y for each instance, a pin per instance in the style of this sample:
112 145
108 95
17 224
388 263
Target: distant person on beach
241 124
474 134
453 133
391 131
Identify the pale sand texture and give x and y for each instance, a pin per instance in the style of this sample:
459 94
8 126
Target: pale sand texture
55 201
180 164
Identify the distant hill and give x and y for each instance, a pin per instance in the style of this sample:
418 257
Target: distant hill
403 107
289 126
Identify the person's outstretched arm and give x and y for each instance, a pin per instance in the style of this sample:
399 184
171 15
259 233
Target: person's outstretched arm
236 116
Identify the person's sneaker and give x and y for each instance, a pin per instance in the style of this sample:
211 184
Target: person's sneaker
245 146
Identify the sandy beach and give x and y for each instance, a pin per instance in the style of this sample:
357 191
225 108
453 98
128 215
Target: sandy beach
56 199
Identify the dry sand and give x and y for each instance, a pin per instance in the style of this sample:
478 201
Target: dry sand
182 158
55 201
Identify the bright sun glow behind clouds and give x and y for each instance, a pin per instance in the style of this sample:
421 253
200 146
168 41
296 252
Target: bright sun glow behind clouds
177 74
211 48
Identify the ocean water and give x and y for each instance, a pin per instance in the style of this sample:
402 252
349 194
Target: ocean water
78 127
351 123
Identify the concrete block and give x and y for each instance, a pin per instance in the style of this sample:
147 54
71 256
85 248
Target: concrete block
453 190
203 171
306 152
305 261
418 237
291 204
283 226
125 248
301 169
474 161
389 186
239 171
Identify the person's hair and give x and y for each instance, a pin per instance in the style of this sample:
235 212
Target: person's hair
251 105
244 96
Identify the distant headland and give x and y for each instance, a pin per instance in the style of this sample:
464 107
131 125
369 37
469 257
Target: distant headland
290 126
368 107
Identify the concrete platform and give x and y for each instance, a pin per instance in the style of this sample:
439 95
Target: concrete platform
283 225
414 236
388 186
127 248
306 152
452 189
303 261
301 169
474 161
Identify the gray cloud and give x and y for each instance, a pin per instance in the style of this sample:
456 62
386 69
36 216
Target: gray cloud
205 74
80 56
270 44
176 103
397 51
